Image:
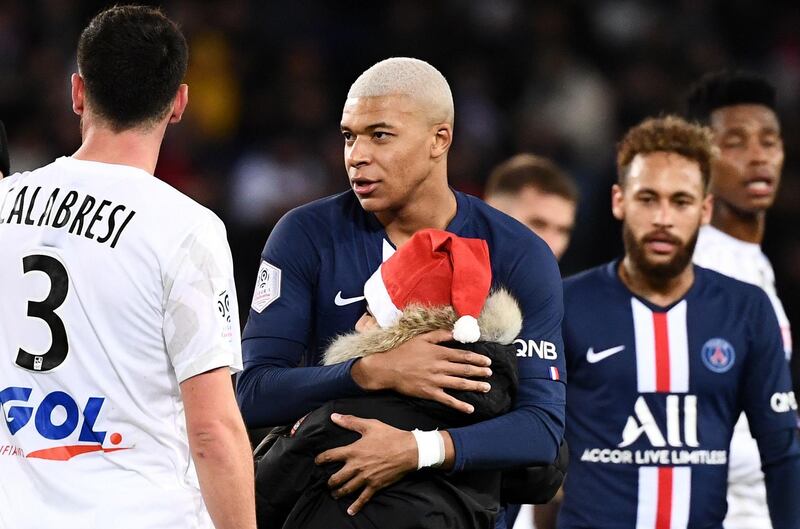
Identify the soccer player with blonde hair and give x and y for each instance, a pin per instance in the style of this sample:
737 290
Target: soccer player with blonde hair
397 128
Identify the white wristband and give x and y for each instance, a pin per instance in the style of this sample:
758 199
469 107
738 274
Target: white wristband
430 448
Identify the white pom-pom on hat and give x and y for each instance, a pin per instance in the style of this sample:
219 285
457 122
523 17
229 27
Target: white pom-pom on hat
466 330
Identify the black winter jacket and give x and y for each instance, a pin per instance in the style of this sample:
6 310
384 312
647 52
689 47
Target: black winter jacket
292 492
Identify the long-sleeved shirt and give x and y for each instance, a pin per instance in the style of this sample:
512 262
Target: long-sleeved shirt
655 393
309 289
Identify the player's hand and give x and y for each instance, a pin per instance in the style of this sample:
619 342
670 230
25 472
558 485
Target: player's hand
382 456
421 368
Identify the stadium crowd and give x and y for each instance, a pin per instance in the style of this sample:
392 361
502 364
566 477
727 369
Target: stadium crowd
560 79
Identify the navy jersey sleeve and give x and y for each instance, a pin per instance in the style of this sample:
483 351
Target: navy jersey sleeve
767 397
274 387
532 431
771 408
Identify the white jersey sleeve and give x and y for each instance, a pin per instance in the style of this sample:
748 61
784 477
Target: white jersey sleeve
201 319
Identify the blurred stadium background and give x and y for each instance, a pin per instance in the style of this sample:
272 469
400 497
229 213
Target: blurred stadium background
268 80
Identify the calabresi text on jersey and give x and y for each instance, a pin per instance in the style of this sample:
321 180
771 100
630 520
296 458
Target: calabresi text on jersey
101 218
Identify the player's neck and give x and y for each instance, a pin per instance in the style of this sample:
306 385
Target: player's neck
433 207
659 291
130 147
745 226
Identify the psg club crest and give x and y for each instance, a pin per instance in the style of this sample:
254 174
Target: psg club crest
718 355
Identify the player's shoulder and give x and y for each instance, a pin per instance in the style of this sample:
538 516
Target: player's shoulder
21 177
178 215
591 277
590 281
495 219
9 181
320 218
147 194
713 246
749 304
507 233
171 199
748 301
728 255
8 184
722 284
332 210
712 236
316 225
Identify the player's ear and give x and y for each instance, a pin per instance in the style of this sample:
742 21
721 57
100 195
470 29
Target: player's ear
78 90
617 201
707 207
179 104
442 138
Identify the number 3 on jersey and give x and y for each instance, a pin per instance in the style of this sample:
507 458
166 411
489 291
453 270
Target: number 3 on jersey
45 310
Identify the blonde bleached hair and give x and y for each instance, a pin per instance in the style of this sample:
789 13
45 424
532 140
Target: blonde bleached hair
409 77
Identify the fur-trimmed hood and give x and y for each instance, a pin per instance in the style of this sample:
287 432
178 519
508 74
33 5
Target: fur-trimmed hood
499 322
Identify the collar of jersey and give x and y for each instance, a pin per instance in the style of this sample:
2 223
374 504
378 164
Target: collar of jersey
455 226
611 274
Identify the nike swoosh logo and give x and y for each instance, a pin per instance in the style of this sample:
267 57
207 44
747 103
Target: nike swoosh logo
341 302
593 357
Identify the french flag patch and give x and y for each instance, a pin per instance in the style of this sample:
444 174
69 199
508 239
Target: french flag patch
554 373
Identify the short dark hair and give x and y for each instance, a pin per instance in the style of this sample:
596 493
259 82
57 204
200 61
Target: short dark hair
666 134
132 60
528 170
727 88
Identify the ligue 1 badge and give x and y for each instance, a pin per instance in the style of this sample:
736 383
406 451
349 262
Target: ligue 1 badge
718 355
268 286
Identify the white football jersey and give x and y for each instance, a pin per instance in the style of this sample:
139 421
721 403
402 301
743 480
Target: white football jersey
115 289
747 496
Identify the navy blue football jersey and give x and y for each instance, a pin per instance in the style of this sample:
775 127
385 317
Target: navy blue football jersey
654 395
310 289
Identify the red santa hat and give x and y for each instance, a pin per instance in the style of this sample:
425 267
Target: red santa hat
434 268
